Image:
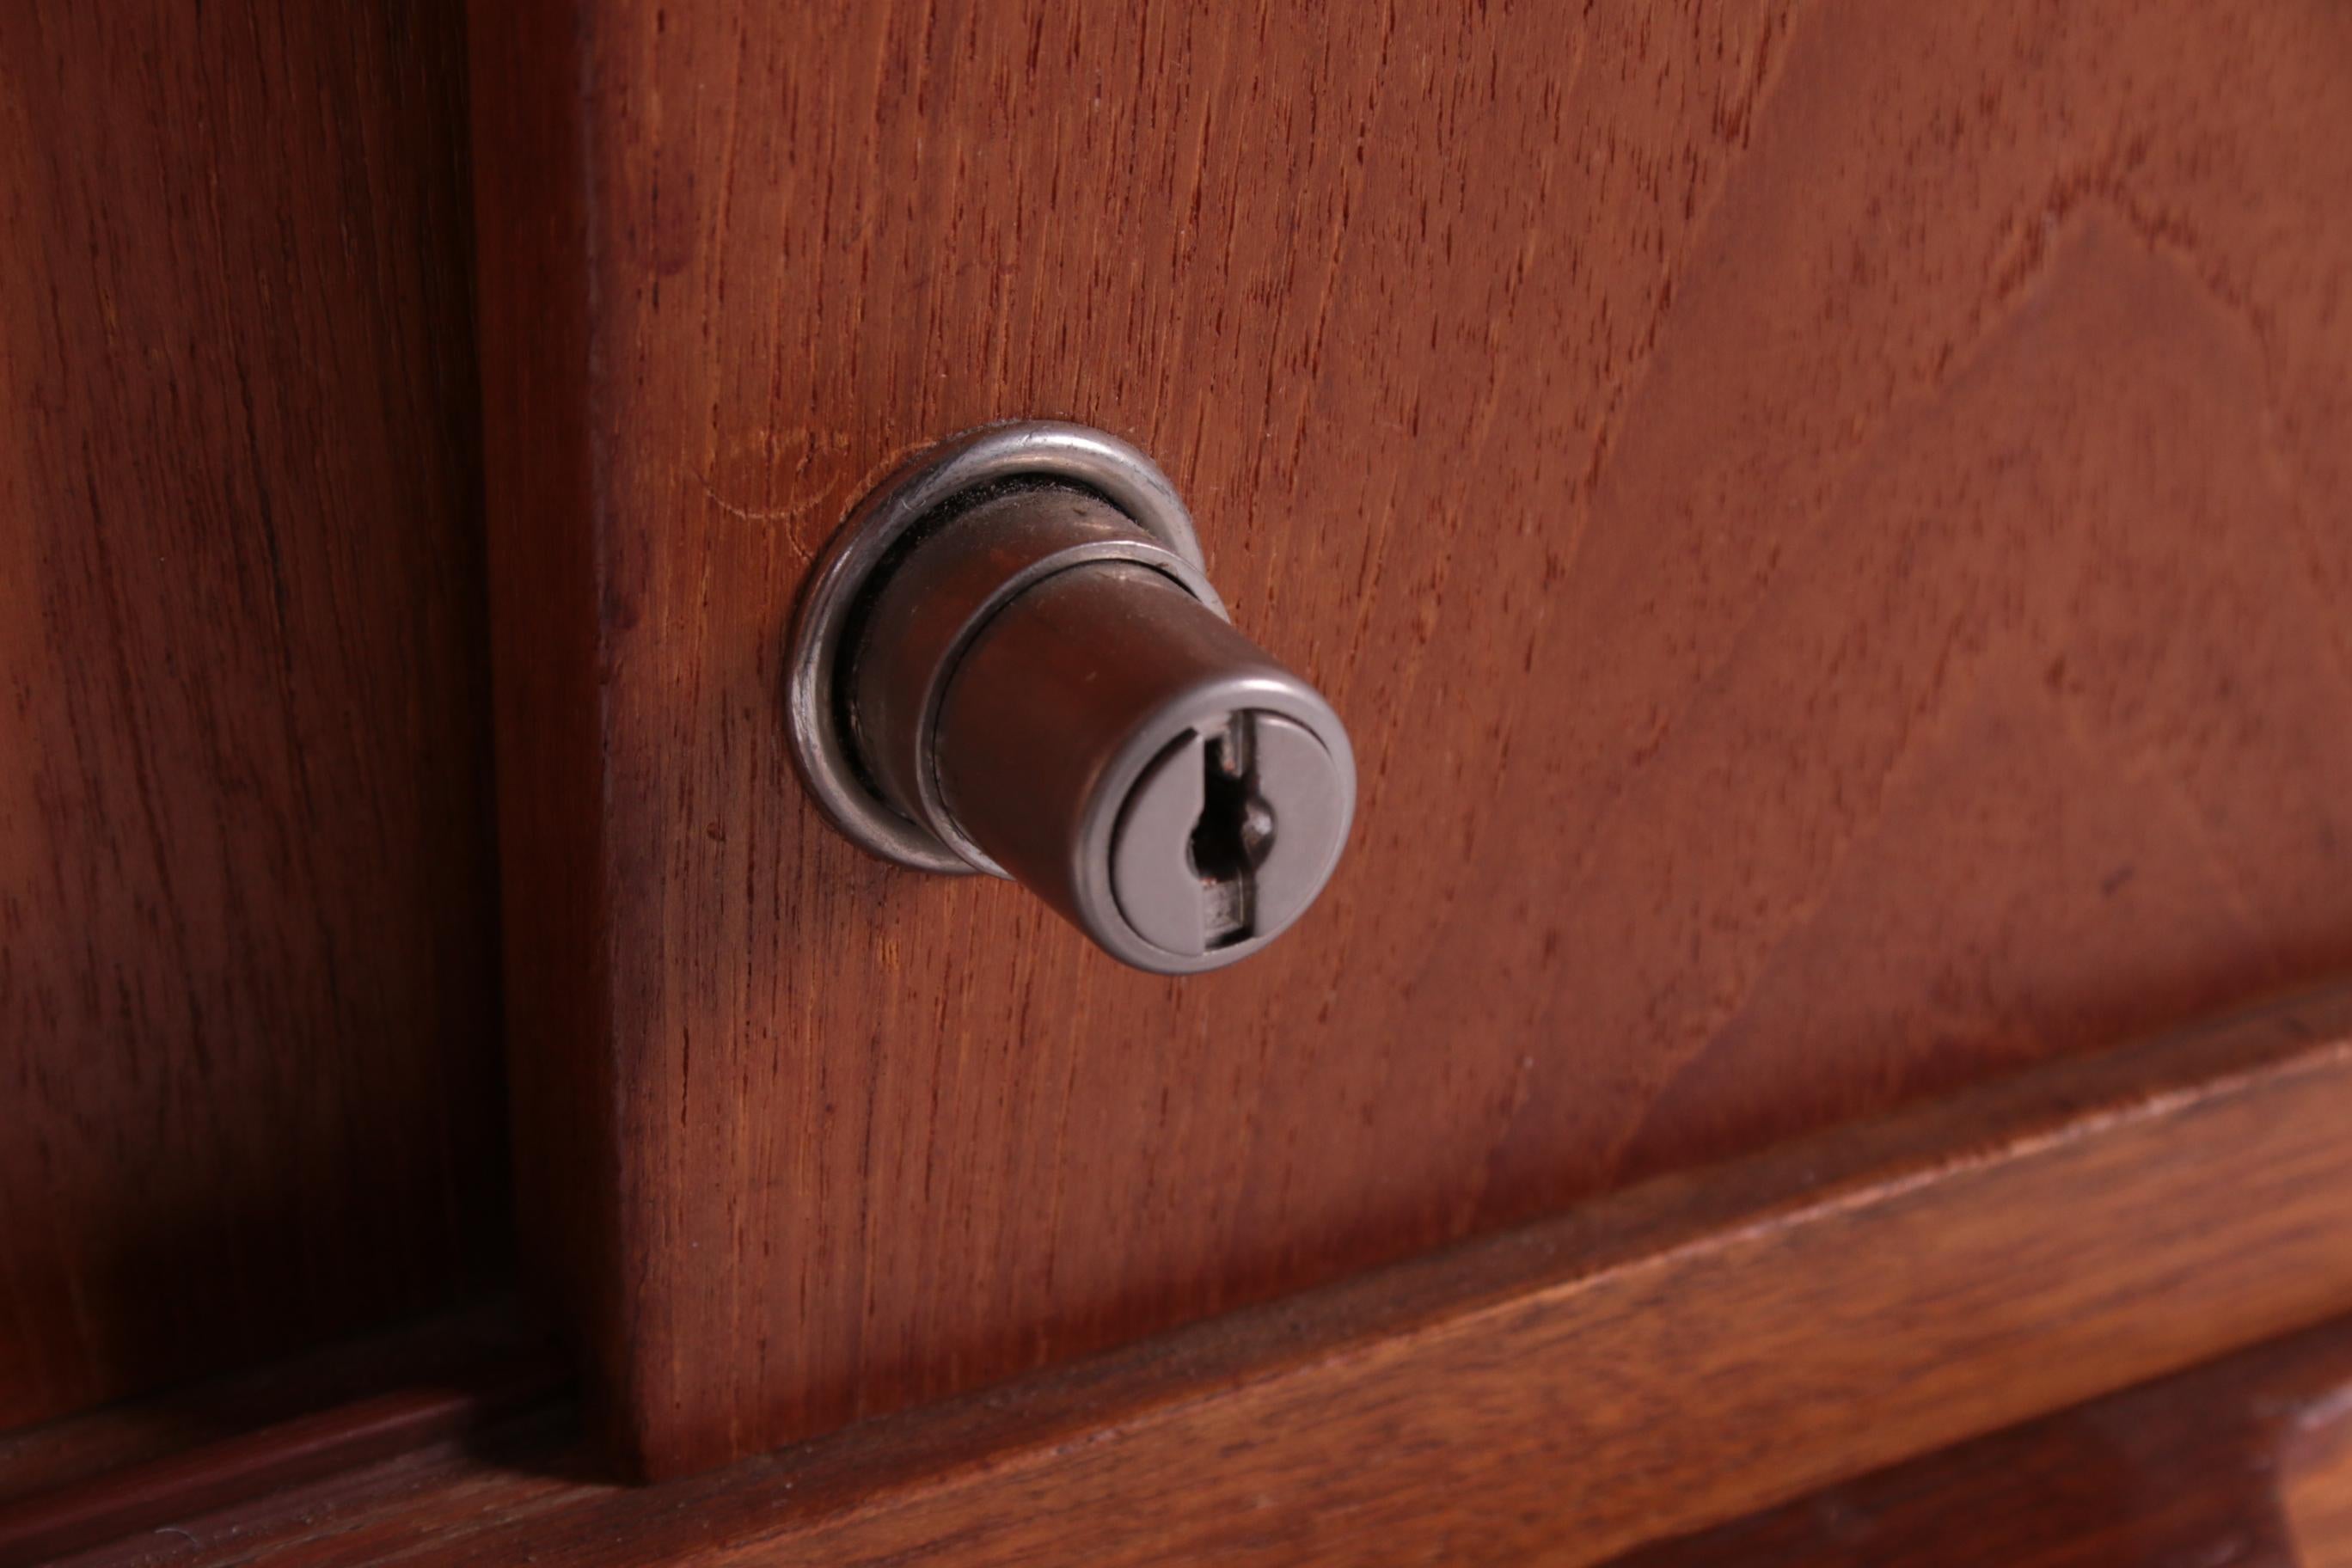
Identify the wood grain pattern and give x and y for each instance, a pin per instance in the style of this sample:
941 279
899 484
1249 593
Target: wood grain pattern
2199 1469
129 1469
2314 1479
1824 521
1670 1356
249 1071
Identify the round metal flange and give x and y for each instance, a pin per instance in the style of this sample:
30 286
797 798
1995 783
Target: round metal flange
931 486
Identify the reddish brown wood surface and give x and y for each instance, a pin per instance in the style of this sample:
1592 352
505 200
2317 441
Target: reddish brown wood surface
2316 1480
249 1057
1669 1357
2206 1468
129 1469
1825 522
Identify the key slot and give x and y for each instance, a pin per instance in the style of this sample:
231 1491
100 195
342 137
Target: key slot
1234 832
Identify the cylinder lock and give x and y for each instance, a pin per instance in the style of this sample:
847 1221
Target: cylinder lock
1009 660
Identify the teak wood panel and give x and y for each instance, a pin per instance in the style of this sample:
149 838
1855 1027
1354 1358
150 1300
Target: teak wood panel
1670 1356
248 1042
1825 523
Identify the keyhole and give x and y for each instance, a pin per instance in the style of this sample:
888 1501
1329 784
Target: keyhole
1236 831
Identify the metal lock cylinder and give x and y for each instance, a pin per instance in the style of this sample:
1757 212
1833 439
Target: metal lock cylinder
1010 661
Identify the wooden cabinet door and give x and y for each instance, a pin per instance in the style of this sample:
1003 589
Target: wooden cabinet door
250 1046
1825 523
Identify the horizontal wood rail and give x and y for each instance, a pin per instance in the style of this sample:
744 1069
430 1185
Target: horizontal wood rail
1660 1361
115 1472
2242 1460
